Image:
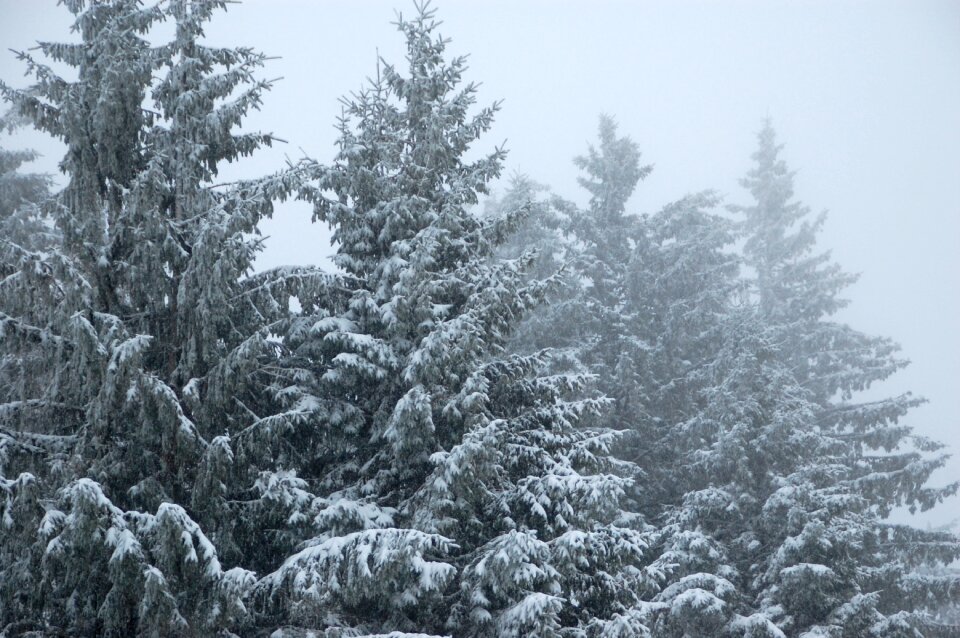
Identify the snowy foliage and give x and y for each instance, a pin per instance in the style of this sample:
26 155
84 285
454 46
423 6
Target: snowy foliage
543 420
133 357
430 436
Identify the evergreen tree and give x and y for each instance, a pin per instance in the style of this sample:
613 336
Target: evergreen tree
886 465
796 476
23 372
606 235
454 492
653 315
680 283
23 232
152 332
20 197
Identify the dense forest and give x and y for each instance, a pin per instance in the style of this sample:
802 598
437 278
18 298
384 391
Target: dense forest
500 414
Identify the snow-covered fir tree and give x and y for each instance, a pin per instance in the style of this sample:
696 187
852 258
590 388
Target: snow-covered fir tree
882 464
604 234
454 492
120 494
649 308
652 315
23 367
21 195
679 284
545 420
787 529
539 229
23 231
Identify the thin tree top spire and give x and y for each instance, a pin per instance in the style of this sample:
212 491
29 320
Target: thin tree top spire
770 180
612 169
793 281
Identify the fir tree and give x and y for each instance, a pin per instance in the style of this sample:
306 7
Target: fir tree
539 231
680 282
653 315
454 492
23 233
884 463
795 476
23 373
606 235
152 332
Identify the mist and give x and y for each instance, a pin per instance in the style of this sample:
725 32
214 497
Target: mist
864 96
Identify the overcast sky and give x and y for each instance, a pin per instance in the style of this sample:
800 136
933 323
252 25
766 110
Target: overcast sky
865 95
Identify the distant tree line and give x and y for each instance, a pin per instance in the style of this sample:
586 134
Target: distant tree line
523 419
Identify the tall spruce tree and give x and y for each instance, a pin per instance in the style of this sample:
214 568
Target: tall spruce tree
679 285
797 477
23 232
606 234
23 366
654 313
886 465
122 492
454 492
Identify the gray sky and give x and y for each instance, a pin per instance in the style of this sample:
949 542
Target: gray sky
865 95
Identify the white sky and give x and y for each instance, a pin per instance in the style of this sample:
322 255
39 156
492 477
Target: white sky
865 95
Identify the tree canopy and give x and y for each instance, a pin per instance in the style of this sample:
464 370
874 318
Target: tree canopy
499 415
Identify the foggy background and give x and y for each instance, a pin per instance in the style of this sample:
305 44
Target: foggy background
865 95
